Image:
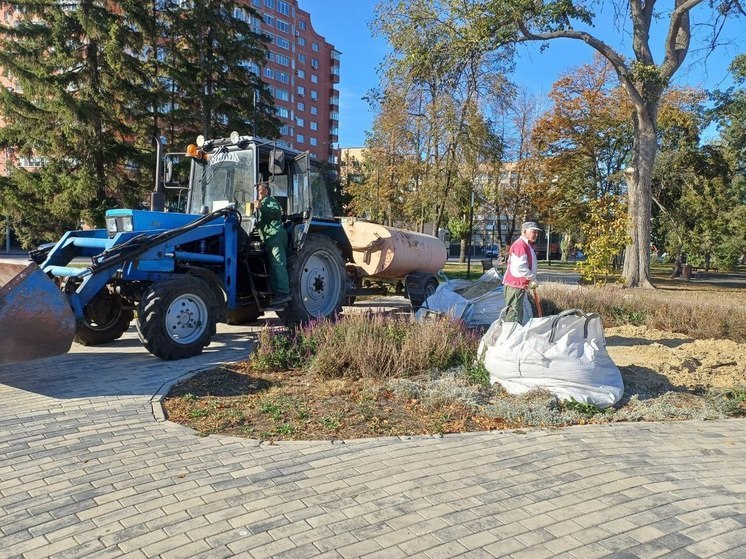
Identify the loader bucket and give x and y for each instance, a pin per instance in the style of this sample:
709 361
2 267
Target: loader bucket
10 269
35 317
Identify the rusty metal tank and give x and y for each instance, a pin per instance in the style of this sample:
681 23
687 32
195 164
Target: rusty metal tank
390 253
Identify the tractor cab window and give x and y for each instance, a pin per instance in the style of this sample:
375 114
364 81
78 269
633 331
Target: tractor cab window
275 170
226 178
322 207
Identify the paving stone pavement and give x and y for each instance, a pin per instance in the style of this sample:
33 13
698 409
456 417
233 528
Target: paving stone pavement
86 470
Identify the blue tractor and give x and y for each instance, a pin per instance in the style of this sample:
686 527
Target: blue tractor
178 274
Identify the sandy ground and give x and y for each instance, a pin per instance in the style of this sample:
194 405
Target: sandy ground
677 359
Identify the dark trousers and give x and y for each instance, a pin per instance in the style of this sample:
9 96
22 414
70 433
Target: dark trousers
514 301
278 270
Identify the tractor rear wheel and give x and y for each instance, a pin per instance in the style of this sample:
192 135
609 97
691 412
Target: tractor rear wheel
176 317
104 319
317 281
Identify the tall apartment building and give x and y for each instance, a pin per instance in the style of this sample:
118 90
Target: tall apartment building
302 70
8 16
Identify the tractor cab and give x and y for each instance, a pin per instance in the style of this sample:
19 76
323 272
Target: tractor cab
227 171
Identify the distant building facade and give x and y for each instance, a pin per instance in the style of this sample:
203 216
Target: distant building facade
302 71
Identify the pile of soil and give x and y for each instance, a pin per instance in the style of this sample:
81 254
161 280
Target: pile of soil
685 362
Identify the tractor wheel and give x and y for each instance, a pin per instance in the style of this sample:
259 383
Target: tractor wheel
431 285
317 281
104 319
353 282
176 317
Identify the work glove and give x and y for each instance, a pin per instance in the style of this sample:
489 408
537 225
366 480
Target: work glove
533 285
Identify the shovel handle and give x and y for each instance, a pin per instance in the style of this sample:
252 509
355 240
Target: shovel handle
537 303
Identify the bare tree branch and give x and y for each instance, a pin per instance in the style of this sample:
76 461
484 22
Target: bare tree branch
679 35
616 60
641 17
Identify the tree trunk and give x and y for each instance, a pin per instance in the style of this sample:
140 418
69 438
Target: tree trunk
636 271
462 253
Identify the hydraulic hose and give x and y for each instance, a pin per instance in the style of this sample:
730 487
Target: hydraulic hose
144 242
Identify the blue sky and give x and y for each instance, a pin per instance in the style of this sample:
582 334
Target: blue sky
345 24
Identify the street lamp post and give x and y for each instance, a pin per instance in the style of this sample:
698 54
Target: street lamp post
468 246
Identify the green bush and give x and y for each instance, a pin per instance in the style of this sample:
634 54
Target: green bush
369 346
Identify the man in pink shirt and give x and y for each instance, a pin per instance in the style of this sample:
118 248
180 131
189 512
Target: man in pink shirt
520 275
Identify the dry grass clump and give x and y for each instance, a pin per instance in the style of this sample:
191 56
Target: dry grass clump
369 346
701 315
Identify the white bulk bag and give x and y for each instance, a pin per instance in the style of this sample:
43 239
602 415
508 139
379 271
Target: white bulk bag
565 354
453 298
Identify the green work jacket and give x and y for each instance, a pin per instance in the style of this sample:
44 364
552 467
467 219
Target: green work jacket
269 218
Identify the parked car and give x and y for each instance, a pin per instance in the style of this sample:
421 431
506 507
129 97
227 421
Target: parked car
492 252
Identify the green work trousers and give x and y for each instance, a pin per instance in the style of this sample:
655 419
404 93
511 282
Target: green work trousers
276 246
514 301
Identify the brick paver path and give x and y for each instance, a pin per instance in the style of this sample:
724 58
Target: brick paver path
86 470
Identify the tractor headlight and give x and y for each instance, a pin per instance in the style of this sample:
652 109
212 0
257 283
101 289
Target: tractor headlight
111 226
118 224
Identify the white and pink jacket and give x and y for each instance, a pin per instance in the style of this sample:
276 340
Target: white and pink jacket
521 268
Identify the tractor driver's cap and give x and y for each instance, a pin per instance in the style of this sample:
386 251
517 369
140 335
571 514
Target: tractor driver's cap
530 226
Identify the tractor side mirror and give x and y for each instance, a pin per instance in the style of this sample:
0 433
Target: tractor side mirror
175 170
277 161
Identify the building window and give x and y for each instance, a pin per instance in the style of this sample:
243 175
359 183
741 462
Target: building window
315 47
299 121
314 78
313 141
283 7
282 112
314 110
240 14
314 64
268 73
301 74
269 3
282 94
300 138
269 20
285 130
282 77
301 106
314 95
301 57
314 125
282 43
301 90
283 26
301 42
302 24
282 59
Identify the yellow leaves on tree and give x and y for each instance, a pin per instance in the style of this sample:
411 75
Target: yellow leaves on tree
605 237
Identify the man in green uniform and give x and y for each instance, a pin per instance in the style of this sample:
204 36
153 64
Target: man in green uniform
269 223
